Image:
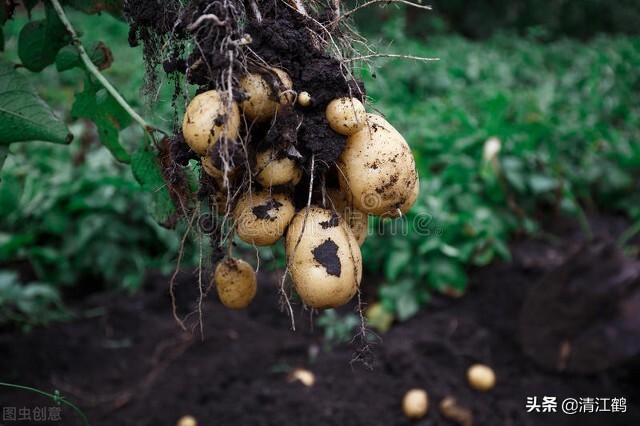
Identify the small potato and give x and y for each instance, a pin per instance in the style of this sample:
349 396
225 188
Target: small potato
323 257
187 421
358 221
273 171
209 117
304 99
346 116
415 404
304 376
481 377
261 217
236 283
210 169
264 100
450 410
378 171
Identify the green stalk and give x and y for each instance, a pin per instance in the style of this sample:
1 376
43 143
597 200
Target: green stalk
56 398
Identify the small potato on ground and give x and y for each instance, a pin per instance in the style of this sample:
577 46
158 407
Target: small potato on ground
415 403
481 377
187 421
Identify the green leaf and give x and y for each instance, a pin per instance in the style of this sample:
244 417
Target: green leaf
96 104
446 273
407 306
1 40
4 153
40 41
396 263
96 6
69 58
23 115
147 172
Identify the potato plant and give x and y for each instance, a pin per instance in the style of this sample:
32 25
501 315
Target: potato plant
271 136
279 134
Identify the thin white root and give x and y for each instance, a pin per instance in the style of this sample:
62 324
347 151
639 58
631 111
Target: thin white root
369 3
208 17
300 7
256 11
390 55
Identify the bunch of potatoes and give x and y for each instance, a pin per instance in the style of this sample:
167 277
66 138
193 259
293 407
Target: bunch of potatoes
376 172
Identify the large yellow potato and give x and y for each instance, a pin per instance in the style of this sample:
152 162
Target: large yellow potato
264 101
324 258
358 221
346 116
209 117
377 170
261 217
236 283
273 171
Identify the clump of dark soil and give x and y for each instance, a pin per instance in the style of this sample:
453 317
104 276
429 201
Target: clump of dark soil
209 53
125 362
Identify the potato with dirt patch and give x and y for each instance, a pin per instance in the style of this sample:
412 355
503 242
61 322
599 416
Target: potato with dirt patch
377 170
358 221
272 170
261 217
209 117
266 92
323 257
236 283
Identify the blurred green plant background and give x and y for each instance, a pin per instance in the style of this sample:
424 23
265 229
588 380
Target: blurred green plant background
530 112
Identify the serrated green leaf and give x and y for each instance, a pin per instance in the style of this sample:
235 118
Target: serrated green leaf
23 115
96 104
96 6
69 58
147 172
39 41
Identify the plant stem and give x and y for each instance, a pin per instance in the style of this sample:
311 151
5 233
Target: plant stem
628 234
56 398
91 68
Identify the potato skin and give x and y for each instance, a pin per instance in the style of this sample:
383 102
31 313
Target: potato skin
378 171
210 169
415 403
358 221
272 171
326 264
346 116
261 218
199 126
262 104
481 377
236 283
